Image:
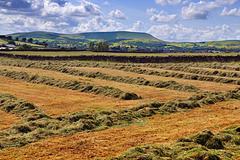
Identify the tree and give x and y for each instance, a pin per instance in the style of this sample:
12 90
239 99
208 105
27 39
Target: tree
99 46
25 47
24 39
30 40
2 36
9 37
16 39
44 43
11 42
105 46
91 46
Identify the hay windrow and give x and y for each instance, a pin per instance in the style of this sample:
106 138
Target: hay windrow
36 125
73 85
59 67
55 66
203 145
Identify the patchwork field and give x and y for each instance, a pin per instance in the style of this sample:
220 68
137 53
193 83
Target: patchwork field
88 110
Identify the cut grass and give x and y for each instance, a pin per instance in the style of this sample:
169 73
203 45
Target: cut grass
114 141
7 120
122 79
73 85
150 93
203 85
55 103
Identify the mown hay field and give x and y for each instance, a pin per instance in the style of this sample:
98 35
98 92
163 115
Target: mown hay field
89 110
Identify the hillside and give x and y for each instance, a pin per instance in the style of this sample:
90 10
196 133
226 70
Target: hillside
90 36
81 40
127 39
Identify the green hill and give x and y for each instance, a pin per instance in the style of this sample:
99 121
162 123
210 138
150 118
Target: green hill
123 38
91 36
81 40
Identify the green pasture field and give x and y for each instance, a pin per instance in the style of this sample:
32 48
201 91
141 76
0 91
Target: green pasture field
3 42
30 44
78 53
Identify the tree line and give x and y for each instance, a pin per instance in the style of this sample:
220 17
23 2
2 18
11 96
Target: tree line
127 59
100 46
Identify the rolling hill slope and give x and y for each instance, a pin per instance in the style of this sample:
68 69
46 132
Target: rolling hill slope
124 38
90 36
81 40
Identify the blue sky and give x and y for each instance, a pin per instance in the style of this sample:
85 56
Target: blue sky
168 20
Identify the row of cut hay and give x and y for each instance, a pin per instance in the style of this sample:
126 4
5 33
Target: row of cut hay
21 108
73 85
135 68
223 66
179 75
201 146
130 80
185 68
36 125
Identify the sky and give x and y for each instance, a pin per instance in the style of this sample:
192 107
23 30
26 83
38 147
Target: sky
168 20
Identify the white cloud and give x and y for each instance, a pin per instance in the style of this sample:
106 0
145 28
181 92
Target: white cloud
237 31
9 4
20 23
63 24
163 17
182 33
98 24
84 10
106 3
201 9
223 2
36 4
3 10
117 14
232 12
139 26
151 11
168 2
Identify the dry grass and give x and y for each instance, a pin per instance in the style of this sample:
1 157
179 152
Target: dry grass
148 93
114 141
7 120
57 101
211 69
203 85
187 73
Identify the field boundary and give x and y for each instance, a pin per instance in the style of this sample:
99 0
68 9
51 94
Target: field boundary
127 59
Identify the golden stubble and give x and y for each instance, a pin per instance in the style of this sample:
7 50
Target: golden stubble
114 141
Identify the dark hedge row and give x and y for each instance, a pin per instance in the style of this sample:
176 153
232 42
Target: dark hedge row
36 125
201 146
73 85
127 59
130 80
